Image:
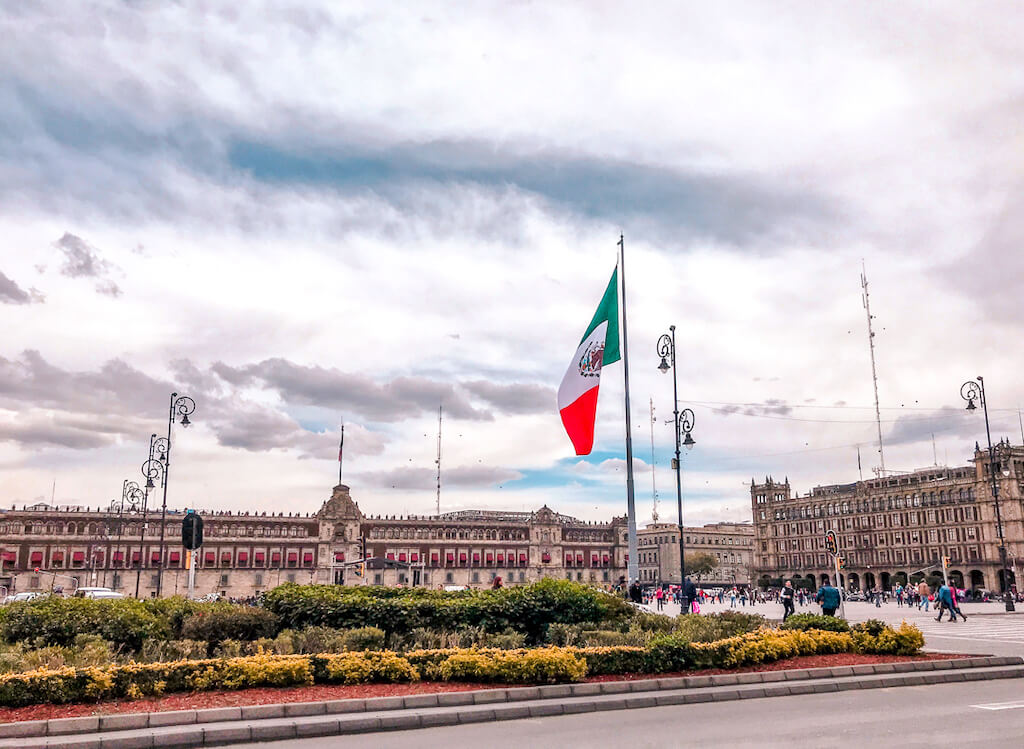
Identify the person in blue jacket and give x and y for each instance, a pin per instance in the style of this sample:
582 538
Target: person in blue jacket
828 597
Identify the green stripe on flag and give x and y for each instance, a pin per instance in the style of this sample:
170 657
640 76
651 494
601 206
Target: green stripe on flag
608 310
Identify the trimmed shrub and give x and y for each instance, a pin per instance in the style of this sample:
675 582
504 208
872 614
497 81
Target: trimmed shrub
869 638
372 666
364 638
527 609
816 621
228 622
711 627
58 621
615 660
537 666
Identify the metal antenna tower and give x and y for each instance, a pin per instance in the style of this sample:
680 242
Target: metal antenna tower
874 372
438 461
654 485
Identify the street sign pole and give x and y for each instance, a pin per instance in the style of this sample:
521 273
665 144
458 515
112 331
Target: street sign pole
842 598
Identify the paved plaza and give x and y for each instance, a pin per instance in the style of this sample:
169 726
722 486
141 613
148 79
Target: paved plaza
989 629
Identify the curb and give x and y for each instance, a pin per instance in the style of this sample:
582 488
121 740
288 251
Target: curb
220 726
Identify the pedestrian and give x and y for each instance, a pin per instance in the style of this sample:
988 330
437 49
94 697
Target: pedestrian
787 600
925 593
829 599
945 603
956 606
687 596
659 596
732 598
496 583
878 598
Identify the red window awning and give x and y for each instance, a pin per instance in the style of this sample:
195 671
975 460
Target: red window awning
462 558
339 556
545 557
210 557
307 558
118 556
605 559
434 557
579 557
37 556
136 556
243 556
175 556
415 557
522 559
501 558
401 557
490 559
78 556
293 556
389 555
450 557
593 558
155 556
259 557
476 559
568 558
627 557
275 557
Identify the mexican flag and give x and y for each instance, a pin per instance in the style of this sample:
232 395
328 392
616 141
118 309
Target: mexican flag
577 395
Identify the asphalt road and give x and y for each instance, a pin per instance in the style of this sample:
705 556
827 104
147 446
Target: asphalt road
981 714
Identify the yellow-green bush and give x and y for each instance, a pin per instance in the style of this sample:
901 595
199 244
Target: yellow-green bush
523 666
370 666
550 665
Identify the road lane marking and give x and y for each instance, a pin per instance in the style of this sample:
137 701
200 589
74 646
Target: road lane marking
1016 705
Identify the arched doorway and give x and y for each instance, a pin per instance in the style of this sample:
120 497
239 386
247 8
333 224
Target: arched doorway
854 581
916 578
900 578
763 581
977 579
812 583
824 579
957 578
869 580
886 580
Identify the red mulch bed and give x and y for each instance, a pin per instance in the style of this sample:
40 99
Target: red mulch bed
269 695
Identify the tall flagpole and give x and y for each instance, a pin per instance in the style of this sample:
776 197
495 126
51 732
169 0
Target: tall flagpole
341 451
631 567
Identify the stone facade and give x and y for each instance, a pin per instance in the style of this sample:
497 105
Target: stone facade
894 527
732 544
244 554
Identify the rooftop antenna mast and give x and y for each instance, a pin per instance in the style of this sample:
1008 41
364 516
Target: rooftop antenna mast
654 485
438 461
874 372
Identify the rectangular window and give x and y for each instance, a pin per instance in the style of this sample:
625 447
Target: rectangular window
258 580
223 580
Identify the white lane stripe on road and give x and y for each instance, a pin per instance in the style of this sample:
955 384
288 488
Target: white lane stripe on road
1001 705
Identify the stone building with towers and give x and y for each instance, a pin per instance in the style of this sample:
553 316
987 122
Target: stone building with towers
896 527
244 554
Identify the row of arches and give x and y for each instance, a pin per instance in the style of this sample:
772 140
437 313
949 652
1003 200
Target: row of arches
971 580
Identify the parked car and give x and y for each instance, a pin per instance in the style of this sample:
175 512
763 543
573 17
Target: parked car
96 593
27 596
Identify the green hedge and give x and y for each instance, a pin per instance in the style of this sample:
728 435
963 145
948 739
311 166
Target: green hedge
816 621
58 621
527 609
230 623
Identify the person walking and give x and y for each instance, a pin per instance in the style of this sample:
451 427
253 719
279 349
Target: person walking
955 603
925 592
659 596
688 595
787 600
828 597
945 603
732 598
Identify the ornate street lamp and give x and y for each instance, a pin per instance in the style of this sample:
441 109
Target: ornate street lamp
683 424
152 470
971 391
181 407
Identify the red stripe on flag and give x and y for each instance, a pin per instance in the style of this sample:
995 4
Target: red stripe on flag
578 418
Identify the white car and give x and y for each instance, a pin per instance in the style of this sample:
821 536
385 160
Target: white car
101 594
29 596
88 592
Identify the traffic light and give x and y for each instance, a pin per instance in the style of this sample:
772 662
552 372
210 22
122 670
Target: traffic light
192 530
842 563
945 562
359 570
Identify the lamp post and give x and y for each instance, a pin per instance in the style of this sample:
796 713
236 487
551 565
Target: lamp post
181 406
131 497
682 422
151 469
971 391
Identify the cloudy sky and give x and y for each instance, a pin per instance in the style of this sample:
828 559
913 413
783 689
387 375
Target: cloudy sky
298 213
